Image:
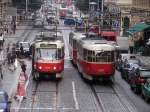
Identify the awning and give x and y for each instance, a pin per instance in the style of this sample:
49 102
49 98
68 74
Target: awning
137 28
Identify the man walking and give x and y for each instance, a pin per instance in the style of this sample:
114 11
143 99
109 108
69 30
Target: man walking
131 44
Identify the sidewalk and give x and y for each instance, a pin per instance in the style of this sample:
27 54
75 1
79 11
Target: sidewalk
10 79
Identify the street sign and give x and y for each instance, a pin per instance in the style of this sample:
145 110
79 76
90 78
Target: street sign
11 11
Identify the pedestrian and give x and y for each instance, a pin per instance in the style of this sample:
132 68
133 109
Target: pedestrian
131 44
1 63
23 66
8 48
21 87
21 50
1 40
14 28
9 58
13 53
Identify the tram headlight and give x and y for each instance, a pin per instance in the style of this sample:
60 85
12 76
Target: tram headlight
40 67
54 68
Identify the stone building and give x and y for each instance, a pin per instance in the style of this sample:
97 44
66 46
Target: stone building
4 4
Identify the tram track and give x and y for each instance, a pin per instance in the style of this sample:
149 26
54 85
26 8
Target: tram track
100 96
37 93
121 100
99 102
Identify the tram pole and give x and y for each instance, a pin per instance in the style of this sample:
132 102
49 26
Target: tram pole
102 11
56 22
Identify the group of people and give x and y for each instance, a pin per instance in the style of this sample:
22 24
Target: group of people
11 55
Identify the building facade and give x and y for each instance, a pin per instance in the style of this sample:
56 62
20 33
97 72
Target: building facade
141 4
4 4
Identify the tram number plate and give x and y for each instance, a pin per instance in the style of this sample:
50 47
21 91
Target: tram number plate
47 67
101 71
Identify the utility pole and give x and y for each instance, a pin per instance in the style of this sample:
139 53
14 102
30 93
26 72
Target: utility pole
98 6
26 6
102 12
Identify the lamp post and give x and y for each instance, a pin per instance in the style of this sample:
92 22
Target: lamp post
102 11
26 6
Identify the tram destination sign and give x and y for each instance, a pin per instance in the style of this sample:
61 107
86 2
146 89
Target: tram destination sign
48 45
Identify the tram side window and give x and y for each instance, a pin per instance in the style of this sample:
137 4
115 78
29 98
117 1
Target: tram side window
79 49
85 53
107 56
60 53
37 54
91 56
111 56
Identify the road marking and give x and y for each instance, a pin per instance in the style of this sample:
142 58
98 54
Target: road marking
75 96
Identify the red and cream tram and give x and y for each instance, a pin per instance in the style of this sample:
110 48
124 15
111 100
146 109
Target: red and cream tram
73 37
95 58
48 59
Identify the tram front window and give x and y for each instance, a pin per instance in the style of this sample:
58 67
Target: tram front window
48 54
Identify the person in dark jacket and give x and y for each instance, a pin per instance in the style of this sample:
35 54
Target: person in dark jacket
9 57
21 50
23 67
13 56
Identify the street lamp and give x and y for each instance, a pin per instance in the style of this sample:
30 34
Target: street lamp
102 11
26 6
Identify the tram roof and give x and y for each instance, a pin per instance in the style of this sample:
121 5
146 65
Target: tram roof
96 44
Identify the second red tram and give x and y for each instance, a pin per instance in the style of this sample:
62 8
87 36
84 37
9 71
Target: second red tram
48 58
95 58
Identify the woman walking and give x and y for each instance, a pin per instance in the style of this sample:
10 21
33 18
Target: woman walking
21 87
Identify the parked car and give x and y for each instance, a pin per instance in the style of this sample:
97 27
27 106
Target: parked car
126 69
139 78
38 23
26 47
146 90
130 58
4 102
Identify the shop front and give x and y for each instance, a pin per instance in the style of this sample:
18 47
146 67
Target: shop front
139 33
